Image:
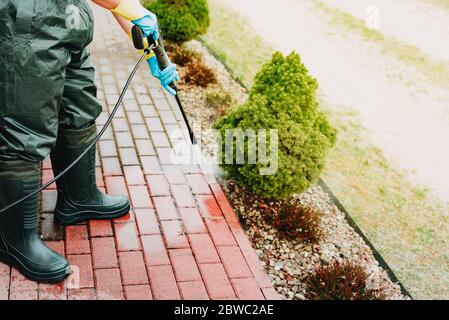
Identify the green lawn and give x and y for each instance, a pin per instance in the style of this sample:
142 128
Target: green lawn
435 71
234 44
405 223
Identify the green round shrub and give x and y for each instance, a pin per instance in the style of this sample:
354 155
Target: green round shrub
283 98
181 20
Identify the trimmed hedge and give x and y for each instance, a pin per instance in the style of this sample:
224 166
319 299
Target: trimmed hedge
283 98
181 20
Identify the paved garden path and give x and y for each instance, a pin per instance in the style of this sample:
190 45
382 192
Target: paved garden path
181 240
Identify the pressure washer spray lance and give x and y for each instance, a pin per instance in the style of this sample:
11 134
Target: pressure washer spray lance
158 48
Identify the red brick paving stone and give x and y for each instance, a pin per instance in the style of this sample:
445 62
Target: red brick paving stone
128 156
54 291
198 184
160 139
145 148
193 223
100 228
108 148
99 177
46 163
224 204
168 117
154 124
163 283
174 235
111 167
234 262
109 284
120 125
5 274
23 295
77 241
20 283
135 117
183 196
4 287
150 165
184 265
104 253
208 206
165 208
49 200
116 186
247 289
147 222
216 281
148 110
138 292
174 175
132 268
210 178
220 233
108 135
252 259
154 250
203 248
158 185
164 155
140 197
271 294
81 294
47 175
83 265
126 236
134 175
124 140
193 290
191 168
140 131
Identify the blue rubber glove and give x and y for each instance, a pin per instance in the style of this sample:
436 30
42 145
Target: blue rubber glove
148 24
166 77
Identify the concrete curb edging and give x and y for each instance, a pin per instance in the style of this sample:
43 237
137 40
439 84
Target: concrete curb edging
356 228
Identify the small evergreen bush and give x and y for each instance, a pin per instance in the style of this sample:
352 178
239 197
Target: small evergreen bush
181 20
283 98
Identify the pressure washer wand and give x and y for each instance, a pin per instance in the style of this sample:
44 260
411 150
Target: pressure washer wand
164 62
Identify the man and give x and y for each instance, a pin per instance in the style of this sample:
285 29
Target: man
48 105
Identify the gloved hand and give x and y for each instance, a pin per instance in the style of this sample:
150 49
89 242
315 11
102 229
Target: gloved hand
166 76
133 11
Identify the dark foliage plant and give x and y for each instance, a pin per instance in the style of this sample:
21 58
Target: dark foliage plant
297 222
340 281
193 70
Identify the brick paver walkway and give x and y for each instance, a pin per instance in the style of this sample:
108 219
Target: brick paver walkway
181 240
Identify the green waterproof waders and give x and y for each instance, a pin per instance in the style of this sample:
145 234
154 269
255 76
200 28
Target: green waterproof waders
47 99
20 244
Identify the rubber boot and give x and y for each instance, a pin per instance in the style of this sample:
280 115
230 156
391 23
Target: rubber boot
20 245
79 198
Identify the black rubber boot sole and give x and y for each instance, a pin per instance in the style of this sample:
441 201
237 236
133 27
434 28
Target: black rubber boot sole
83 216
53 277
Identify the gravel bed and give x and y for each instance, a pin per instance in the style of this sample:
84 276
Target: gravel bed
288 262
